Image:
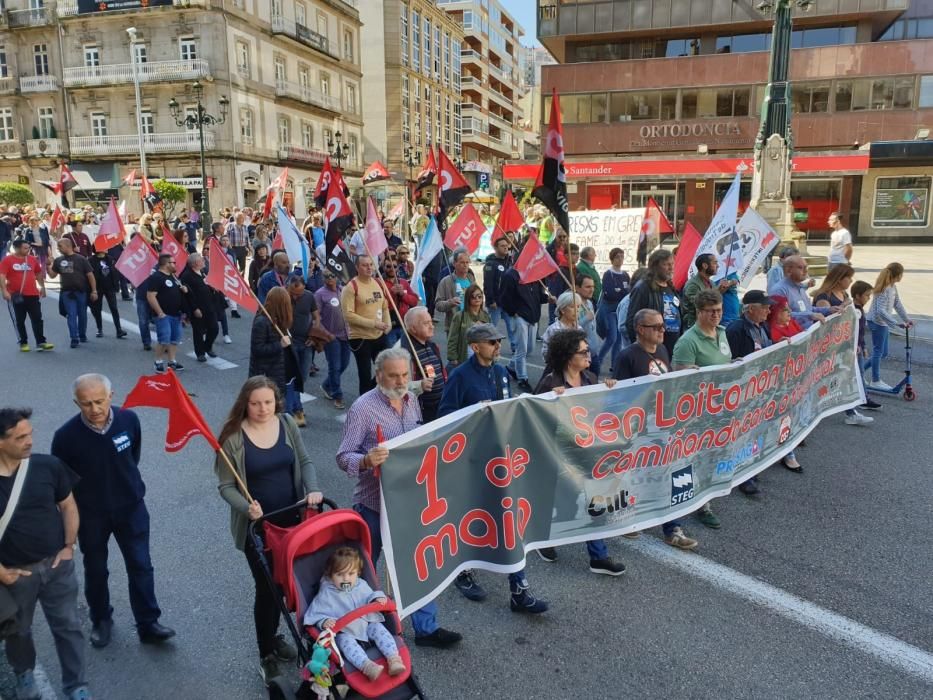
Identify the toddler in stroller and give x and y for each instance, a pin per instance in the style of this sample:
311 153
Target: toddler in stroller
342 591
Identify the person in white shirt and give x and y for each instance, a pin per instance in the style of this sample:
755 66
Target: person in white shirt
840 242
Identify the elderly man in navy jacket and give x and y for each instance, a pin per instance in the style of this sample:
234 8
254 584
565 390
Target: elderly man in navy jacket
102 445
481 379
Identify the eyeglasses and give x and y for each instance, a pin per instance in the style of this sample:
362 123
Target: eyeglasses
494 342
582 352
656 327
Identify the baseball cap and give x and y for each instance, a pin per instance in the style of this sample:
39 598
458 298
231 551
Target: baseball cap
481 332
756 296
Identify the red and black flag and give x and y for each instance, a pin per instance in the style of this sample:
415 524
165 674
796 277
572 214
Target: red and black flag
426 174
66 182
374 173
453 188
338 213
551 183
323 185
338 262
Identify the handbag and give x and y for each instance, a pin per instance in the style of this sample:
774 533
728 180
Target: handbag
320 337
9 609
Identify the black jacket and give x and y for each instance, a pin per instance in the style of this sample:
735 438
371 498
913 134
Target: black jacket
645 296
200 296
493 271
743 335
106 283
268 357
522 300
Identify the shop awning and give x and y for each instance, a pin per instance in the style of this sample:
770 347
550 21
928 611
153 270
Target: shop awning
96 176
847 163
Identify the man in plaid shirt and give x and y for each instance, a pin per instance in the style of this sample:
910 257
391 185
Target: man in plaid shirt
238 233
393 409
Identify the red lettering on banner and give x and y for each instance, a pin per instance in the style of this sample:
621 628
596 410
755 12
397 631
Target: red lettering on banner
435 542
488 539
660 419
427 475
577 414
454 447
513 463
607 427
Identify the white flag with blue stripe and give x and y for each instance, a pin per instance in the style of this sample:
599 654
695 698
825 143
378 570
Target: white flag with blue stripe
295 244
431 245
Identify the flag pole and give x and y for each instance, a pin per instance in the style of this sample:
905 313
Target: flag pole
398 315
573 279
240 483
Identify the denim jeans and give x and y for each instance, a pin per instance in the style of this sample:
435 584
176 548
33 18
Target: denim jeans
76 308
613 342
494 315
524 345
668 527
143 312
130 528
57 591
393 336
424 621
879 347
337 353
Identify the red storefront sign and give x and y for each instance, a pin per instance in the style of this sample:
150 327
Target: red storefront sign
854 163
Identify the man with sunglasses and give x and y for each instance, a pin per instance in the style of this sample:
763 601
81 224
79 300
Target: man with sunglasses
477 380
647 356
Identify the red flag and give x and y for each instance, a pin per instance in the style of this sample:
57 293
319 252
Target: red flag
66 181
551 183
111 231
278 242
172 247
509 219
184 419
338 213
466 230
145 188
375 238
57 220
281 181
323 184
267 207
375 172
654 221
686 251
224 277
453 185
137 260
130 179
396 210
534 263
427 172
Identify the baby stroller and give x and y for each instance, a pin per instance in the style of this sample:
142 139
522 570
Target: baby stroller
299 555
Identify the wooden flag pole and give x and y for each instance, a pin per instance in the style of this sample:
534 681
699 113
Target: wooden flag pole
541 282
398 314
573 280
236 476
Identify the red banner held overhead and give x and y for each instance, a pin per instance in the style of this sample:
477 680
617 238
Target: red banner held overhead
534 263
111 233
171 247
510 219
225 278
689 242
137 260
466 230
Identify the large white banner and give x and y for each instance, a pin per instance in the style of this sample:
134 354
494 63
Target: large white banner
605 229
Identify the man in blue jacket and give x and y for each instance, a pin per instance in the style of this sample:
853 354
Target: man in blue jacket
481 379
102 446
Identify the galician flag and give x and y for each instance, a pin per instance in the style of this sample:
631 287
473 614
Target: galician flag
431 245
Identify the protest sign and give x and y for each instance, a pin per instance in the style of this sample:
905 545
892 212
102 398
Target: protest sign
482 486
605 229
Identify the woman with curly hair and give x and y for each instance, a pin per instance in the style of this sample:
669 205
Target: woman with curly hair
569 357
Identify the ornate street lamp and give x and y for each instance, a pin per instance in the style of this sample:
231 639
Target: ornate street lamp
336 151
199 119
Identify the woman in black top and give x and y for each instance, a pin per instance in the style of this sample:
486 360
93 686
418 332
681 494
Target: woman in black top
108 283
834 290
616 286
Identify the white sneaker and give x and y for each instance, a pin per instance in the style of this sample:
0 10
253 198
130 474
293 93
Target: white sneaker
880 386
858 419
227 340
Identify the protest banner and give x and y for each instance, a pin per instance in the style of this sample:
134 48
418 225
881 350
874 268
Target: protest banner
486 484
605 229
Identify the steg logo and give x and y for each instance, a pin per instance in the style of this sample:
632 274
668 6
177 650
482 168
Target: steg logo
682 485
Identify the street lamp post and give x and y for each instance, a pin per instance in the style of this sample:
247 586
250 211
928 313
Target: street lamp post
139 117
774 143
198 120
337 151
411 159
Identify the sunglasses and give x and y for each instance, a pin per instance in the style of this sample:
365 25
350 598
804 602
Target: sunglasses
656 327
582 352
494 342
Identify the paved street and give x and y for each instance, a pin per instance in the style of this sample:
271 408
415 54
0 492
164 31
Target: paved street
818 588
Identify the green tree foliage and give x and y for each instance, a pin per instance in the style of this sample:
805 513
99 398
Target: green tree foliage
12 193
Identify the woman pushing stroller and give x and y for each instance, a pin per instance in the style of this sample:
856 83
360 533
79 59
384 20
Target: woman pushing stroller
343 591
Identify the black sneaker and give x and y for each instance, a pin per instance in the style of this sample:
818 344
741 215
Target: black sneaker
159 367
211 353
100 634
235 313
522 601
439 639
525 386
283 650
607 566
177 366
549 554
512 373
201 358
122 333
99 334
468 586
74 343
871 405
147 348
750 487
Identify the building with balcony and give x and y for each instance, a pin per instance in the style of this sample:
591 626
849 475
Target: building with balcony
290 70
663 99
411 76
491 85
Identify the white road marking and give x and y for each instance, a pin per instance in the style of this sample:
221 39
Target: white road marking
305 398
215 362
890 650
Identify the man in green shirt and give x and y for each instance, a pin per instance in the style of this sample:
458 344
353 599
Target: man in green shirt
586 268
704 345
707 266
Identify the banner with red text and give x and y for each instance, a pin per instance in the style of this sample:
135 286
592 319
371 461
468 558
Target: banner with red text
483 486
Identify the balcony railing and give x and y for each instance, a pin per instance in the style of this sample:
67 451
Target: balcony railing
505 123
305 155
38 17
471 55
38 83
7 85
69 8
149 72
283 88
45 148
121 144
469 82
499 97
300 33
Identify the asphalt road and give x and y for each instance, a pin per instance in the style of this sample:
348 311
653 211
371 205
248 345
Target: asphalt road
820 587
